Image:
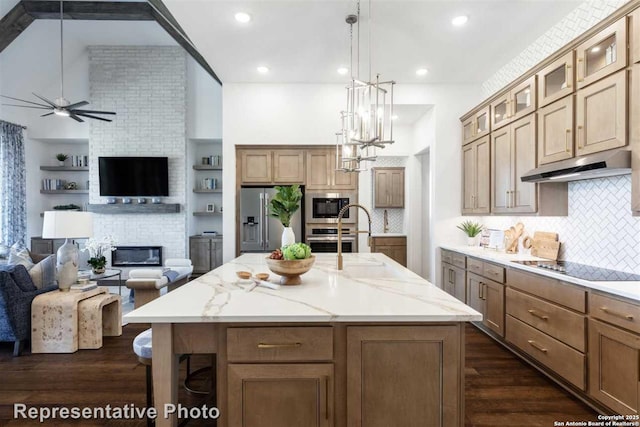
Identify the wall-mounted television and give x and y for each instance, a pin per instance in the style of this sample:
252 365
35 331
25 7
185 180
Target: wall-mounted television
133 176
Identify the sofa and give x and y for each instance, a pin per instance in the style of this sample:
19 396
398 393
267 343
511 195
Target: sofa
17 291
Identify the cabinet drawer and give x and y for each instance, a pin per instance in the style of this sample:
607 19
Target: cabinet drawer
447 256
565 361
279 344
493 272
475 265
550 289
560 323
458 260
621 313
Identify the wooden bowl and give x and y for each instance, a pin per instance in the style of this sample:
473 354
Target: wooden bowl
290 270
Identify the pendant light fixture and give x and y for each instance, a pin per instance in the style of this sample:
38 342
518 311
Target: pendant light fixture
367 121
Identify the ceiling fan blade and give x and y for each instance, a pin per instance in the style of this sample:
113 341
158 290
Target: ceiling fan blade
77 104
45 115
46 100
93 111
28 106
23 100
76 118
91 117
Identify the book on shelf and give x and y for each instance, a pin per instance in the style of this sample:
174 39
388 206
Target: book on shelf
209 184
79 161
53 184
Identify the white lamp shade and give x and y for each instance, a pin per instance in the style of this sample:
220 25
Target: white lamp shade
67 225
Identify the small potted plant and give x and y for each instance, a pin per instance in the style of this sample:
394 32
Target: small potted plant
97 250
283 205
61 158
471 229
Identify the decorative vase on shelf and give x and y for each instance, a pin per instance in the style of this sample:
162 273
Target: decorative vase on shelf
99 270
288 236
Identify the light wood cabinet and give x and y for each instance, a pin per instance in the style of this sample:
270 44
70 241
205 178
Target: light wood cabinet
614 358
635 36
272 166
476 126
454 281
321 173
516 103
603 54
601 115
283 395
476 177
513 152
404 376
634 135
394 247
487 297
555 131
388 183
205 253
556 80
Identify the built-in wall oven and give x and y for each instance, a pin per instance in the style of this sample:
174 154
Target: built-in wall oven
325 239
325 207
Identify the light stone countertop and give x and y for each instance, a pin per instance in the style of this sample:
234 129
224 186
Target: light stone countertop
629 290
388 235
372 287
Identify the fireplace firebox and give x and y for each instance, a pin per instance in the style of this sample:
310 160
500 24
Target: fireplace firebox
137 256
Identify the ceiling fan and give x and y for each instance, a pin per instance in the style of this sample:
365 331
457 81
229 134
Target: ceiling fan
61 106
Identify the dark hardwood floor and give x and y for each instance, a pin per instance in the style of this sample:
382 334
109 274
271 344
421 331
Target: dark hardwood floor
500 389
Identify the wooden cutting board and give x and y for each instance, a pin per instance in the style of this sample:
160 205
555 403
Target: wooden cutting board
546 249
545 235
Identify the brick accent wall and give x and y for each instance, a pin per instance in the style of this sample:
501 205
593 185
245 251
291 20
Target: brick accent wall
146 86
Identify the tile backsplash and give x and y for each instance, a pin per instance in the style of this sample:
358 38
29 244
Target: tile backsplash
599 229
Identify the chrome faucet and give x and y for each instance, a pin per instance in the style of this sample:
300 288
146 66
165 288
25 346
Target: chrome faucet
386 221
356 232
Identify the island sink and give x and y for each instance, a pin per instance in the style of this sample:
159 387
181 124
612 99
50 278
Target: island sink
372 345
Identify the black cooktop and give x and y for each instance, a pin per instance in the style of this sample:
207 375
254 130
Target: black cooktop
585 272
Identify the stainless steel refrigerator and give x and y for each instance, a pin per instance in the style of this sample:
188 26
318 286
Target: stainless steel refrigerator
260 232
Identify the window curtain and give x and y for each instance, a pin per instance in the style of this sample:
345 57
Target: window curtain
13 191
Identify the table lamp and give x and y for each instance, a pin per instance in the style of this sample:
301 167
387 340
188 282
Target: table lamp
67 225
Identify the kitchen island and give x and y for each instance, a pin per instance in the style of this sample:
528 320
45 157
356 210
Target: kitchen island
371 345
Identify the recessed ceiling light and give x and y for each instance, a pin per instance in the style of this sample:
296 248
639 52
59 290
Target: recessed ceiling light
394 117
422 71
343 70
595 49
243 17
459 21
262 69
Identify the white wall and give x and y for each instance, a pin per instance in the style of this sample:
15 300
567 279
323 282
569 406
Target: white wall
297 114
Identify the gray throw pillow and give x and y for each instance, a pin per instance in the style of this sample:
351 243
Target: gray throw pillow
43 273
18 254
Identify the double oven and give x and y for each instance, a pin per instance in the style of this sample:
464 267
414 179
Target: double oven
322 211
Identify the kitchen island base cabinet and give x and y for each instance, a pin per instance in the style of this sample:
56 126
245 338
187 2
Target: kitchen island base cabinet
285 395
404 376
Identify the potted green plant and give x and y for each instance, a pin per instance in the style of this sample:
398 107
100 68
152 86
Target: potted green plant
61 158
97 250
471 229
283 205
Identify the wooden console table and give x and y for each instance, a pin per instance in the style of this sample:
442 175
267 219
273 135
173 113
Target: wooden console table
58 327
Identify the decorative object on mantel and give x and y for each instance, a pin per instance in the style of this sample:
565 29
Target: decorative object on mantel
156 200
367 123
61 106
284 204
97 250
61 158
67 225
472 230
134 208
512 237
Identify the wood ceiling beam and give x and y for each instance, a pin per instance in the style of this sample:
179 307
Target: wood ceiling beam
13 24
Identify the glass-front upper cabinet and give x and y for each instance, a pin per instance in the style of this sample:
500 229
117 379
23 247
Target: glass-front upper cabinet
476 126
602 54
518 102
556 80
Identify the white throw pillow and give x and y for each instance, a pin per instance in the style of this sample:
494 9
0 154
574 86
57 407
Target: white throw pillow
18 254
43 273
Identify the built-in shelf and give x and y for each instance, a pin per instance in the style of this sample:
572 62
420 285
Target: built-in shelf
135 208
199 190
207 168
64 191
64 169
60 210
207 213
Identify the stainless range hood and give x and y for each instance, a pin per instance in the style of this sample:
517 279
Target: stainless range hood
598 165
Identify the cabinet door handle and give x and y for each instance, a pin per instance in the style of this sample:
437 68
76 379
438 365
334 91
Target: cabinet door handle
566 141
578 136
324 383
453 277
538 315
279 345
617 314
567 77
507 199
479 290
537 346
580 60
